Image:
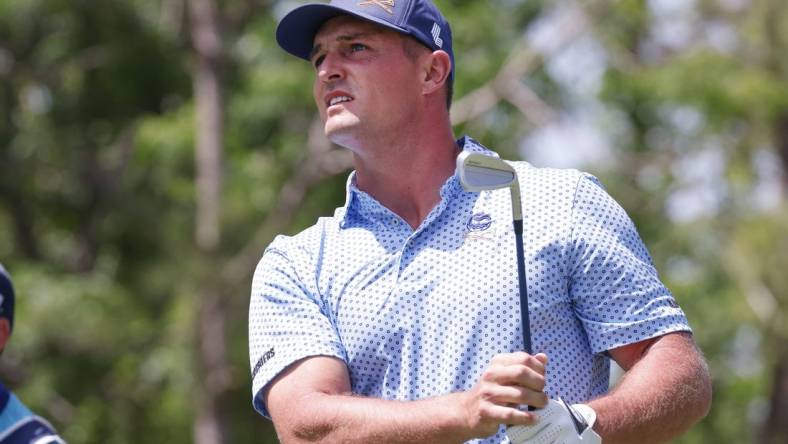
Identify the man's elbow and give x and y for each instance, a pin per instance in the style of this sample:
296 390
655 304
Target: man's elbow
302 431
305 432
705 391
304 425
698 382
698 394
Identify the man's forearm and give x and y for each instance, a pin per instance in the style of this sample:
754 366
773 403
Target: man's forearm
659 398
352 419
310 402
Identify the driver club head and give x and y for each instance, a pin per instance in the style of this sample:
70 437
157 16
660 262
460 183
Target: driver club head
479 172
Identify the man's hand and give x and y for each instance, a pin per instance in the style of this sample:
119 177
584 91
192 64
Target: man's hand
558 423
510 381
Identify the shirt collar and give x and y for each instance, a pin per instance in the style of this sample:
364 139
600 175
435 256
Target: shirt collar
359 204
470 144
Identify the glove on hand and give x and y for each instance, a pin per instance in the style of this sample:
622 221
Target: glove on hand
559 423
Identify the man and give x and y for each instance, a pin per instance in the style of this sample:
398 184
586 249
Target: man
17 424
398 319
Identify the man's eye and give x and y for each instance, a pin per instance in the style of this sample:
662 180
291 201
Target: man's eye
355 47
319 60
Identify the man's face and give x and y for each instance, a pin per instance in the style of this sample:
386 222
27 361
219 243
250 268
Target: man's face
365 84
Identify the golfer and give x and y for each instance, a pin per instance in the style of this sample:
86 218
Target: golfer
398 318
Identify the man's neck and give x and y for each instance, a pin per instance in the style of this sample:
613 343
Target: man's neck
406 175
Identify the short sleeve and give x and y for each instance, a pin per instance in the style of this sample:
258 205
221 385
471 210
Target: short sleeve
287 320
614 287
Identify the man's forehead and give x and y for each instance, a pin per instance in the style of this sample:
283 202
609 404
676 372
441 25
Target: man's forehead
346 25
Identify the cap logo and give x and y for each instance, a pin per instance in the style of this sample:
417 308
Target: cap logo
436 35
387 5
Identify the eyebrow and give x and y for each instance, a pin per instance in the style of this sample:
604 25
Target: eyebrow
341 38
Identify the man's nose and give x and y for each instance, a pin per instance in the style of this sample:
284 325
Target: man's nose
330 68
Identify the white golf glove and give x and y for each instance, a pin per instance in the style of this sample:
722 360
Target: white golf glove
559 423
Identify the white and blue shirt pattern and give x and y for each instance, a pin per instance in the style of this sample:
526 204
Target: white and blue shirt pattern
18 425
420 313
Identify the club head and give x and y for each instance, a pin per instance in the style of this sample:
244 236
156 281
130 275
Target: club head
479 172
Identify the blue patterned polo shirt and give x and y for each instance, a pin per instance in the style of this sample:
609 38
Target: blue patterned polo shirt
420 313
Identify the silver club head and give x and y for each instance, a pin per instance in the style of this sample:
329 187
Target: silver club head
479 172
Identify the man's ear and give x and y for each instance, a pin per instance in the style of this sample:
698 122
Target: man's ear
437 68
5 332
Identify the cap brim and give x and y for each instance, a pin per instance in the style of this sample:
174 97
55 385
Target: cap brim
296 32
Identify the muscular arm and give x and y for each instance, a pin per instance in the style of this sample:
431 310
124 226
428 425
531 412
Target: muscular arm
665 390
311 402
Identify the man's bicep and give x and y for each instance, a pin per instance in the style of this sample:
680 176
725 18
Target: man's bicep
629 355
287 393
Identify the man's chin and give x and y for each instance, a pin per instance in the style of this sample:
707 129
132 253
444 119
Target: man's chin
341 133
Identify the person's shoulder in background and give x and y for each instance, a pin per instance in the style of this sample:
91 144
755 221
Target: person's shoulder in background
18 425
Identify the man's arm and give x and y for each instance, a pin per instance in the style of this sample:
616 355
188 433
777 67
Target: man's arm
665 390
311 402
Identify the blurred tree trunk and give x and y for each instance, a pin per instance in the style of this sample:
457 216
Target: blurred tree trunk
775 429
23 224
211 350
781 135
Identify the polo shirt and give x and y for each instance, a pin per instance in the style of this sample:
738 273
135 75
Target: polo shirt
419 313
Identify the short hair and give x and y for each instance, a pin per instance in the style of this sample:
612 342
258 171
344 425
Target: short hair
412 48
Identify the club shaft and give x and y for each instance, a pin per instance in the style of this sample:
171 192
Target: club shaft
523 285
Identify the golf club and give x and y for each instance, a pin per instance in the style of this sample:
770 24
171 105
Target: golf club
479 172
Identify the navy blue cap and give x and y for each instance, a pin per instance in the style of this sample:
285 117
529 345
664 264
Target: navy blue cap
6 296
417 18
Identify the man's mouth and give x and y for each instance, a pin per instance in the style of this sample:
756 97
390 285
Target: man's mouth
338 100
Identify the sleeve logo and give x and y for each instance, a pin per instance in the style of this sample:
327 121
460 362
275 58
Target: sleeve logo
267 356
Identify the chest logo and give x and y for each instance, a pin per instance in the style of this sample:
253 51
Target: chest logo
387 5
479 222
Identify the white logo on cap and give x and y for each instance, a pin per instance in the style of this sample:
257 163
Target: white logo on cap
436 35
